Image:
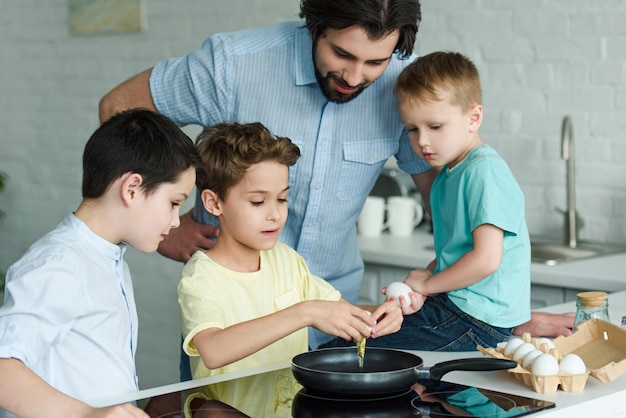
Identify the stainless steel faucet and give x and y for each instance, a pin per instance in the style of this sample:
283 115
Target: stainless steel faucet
567 154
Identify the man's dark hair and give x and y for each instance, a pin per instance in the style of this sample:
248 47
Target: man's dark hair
377 17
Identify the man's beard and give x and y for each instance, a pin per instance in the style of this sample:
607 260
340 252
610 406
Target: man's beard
332 94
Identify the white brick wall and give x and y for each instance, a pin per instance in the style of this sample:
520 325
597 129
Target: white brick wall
539 60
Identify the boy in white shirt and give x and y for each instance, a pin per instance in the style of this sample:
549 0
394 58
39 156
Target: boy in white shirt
68 326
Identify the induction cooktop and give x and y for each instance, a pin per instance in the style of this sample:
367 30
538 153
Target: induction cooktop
427 398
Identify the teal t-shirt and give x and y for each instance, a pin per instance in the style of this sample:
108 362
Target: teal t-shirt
482 190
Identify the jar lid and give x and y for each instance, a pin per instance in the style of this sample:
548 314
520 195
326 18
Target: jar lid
592 298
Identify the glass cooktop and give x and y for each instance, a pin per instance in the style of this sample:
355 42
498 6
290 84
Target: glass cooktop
277 394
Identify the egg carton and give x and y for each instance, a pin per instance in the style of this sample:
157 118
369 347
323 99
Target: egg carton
541 384
602 346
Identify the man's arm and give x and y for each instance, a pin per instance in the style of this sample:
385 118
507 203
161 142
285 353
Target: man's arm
545 324
131 94
424 181
25 394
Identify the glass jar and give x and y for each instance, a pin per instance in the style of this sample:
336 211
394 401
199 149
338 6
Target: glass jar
590 305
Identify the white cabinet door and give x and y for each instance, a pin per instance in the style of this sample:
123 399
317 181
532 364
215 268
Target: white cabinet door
542 296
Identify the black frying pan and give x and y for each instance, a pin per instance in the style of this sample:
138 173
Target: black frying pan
385 371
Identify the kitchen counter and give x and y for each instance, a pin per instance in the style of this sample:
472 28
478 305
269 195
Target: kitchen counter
601 273
596 400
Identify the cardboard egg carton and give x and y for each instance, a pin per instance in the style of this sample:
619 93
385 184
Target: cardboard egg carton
600 344
541 384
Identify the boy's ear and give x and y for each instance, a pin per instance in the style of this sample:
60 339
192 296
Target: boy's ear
131 187
476 118
211 202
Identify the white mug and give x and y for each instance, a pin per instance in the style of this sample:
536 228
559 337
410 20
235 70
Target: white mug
371 222
404 214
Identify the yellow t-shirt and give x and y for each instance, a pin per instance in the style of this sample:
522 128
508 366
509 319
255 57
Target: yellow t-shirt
211 296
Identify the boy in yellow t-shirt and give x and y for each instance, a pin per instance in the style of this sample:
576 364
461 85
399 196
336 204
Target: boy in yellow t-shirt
248 301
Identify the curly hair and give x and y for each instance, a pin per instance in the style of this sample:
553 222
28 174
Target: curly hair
229 149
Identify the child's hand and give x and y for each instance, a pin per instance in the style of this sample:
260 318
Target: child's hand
388 317
409 303
416 303
341 319
417 279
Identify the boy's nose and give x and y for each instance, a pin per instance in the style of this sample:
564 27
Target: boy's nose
175 220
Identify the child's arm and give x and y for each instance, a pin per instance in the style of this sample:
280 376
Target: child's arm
475 265
219 347
25 394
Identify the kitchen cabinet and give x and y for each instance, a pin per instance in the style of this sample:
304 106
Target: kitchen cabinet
542 296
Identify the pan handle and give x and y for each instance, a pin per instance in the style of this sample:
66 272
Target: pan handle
479 364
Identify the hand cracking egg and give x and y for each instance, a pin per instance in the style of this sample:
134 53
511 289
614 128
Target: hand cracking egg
398 289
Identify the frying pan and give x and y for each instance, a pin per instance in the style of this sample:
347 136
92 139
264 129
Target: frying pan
385 371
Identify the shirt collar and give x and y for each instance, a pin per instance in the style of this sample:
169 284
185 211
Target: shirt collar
303 51
104 247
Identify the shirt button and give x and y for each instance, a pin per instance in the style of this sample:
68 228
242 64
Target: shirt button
370 158
317 187
310 224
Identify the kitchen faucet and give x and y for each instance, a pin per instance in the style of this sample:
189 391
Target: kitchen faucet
567 154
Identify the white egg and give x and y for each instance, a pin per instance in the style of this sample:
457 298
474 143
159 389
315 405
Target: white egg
398 289
572 364
522 350
545 365
528 359
544 340
512 345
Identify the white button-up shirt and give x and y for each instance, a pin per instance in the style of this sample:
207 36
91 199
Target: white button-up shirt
69 313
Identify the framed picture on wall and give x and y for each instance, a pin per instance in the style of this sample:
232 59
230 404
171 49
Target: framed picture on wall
107 16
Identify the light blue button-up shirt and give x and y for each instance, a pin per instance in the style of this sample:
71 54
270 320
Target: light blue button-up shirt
267 75
69 313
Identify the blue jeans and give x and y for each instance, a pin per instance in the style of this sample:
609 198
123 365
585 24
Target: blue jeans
439 326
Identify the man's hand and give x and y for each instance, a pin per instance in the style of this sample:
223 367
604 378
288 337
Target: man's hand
544 324
188 238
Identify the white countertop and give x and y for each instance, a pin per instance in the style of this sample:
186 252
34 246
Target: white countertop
606 273
596 400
